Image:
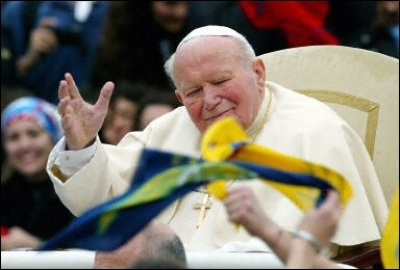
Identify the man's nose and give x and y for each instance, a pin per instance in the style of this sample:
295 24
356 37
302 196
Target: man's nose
211 97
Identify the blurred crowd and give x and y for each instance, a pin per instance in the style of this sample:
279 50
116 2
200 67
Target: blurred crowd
127 42
97 41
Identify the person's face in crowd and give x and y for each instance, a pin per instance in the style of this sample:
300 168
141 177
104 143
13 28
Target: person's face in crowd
151 112
170 15
388 12
213 81
28 146
120 120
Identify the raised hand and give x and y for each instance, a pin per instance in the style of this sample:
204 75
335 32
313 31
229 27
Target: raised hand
322 222
42 41
80 120
243 207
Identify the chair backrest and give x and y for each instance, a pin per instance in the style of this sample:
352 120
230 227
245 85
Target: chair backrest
361 86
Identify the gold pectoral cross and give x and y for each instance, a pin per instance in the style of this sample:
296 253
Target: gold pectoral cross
203 207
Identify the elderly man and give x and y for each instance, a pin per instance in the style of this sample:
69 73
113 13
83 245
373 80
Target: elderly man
217 74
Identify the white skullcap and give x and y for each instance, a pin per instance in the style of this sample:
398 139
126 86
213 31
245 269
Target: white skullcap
212 30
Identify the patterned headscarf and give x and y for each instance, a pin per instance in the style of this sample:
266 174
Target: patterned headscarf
42 112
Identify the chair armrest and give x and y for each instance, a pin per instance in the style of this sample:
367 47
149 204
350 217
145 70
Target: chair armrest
361 257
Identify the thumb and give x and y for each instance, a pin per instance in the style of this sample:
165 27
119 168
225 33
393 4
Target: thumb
105 95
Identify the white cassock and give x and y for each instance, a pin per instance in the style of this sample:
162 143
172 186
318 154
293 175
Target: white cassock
296 125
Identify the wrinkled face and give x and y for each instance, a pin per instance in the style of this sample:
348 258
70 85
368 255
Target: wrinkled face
170 15
28 147
151 112
213 81
120 120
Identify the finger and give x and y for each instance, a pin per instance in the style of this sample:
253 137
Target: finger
333 198
105 96
332 203
72 88
62 90
63 107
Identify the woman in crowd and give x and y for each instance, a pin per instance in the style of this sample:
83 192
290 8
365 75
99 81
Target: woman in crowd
30 209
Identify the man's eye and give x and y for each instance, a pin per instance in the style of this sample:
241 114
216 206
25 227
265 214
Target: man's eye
193 93
221 82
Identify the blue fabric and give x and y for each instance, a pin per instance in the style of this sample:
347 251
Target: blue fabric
161 178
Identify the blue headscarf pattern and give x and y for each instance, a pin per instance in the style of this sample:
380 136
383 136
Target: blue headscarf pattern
45 114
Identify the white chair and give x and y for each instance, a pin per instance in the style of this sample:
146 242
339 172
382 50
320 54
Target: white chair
361 86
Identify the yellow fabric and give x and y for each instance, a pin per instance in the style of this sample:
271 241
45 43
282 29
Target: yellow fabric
217 145
390 238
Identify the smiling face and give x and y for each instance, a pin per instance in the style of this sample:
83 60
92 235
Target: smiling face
27 146
213 81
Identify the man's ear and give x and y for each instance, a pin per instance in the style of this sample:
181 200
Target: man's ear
178 96
260 71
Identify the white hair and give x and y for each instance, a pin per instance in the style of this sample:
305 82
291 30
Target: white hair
212 30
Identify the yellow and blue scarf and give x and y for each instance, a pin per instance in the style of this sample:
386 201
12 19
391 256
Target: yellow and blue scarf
163 177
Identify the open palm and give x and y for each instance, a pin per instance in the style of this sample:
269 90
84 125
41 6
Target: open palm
81 120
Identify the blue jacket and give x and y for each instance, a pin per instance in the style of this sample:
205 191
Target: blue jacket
76 54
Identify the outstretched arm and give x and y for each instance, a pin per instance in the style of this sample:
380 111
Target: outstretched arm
320 223
243 207
81 121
